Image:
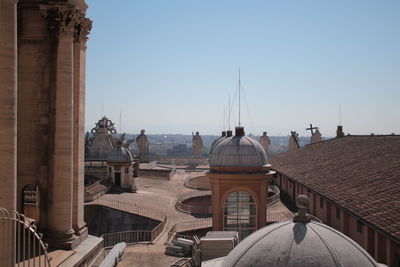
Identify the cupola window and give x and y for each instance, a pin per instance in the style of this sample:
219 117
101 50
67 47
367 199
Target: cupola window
240 213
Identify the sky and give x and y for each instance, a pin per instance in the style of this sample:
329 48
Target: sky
172 66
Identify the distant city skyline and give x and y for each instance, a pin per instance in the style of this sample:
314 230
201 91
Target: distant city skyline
169 66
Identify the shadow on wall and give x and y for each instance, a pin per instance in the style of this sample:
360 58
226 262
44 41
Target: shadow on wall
101 220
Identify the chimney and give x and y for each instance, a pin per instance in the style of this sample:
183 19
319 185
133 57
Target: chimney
228 133
339 131
239 131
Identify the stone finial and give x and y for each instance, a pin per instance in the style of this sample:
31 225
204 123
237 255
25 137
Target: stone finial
302 203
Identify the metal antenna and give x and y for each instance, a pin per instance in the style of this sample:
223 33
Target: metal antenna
340 114
223 119
239 96
229 112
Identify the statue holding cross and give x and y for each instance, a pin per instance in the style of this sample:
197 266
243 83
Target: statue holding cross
294 141
315 136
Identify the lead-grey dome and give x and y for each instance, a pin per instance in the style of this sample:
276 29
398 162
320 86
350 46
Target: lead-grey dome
238 151
216 141
120 154
292 243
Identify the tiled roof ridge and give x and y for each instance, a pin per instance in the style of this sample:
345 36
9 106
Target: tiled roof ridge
350 135
355 135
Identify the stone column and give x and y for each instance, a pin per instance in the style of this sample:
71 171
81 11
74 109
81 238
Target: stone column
81 32
8 123
59 223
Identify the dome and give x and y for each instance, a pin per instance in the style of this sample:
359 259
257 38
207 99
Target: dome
238 152
298 242
120 154
216 141
291 243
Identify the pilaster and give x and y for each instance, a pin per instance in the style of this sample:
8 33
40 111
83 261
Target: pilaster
8 124
64 19
82 29
8 103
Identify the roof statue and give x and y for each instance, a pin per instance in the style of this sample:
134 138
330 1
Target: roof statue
265 141
294 141
142 144
197 145
315 136
102 142
298 242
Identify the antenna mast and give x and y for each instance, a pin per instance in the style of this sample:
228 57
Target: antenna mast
223 120
239 96
229 112
340 114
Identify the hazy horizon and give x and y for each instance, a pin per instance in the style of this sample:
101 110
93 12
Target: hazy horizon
169 66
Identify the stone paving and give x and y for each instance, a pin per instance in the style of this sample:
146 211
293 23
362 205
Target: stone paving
159 196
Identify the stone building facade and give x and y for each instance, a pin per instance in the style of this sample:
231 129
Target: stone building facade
42 80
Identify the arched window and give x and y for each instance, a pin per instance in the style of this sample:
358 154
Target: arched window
240 213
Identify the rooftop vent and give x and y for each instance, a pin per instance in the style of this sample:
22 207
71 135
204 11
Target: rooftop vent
239 131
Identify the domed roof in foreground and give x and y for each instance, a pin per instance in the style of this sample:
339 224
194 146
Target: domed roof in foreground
120 154
238 151
291 243
298 242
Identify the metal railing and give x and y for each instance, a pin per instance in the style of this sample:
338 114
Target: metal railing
129 237
135 236
273 199
193 224
171 234
193 209
23 245
159 229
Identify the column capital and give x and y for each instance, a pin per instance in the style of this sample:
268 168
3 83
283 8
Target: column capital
82 30
62 17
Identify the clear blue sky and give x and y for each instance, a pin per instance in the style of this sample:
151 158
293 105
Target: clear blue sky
169 66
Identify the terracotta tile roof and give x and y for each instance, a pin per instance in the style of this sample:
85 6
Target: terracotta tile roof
359 173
